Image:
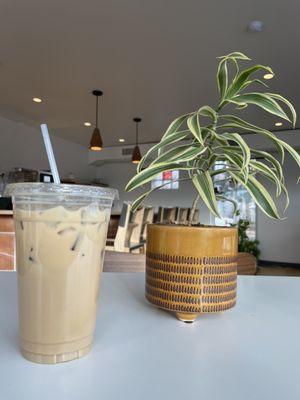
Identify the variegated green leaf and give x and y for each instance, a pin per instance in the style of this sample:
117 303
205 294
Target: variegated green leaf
259 194
204 185
287 103
243 77
211 160
236 122
137 202
220 139
175 125
271 159
286 196
207 111
261 100
241 106
233 158
227 169
170 139
237 56
222 78
227 199
194 126
151 172
292 151
268 172
180 154
280 186
251 82
235 137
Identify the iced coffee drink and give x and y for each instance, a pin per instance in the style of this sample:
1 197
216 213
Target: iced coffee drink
59 250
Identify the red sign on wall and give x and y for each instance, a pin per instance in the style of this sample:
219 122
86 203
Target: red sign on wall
167 175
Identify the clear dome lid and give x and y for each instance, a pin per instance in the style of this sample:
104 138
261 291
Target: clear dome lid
65 190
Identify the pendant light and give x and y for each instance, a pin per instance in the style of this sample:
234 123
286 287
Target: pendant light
136 154
96 141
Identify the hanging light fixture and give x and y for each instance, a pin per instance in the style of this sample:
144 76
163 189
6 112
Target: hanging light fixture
96 141
136 154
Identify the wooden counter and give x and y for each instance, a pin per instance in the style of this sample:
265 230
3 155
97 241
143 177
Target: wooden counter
6 212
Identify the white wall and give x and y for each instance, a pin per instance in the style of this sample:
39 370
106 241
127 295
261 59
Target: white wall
22 146
279 239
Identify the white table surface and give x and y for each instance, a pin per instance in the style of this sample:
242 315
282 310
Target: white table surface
141 352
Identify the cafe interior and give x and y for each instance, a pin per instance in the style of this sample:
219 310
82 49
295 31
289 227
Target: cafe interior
105 67
117 155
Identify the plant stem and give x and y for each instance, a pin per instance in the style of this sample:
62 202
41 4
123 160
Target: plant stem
193 209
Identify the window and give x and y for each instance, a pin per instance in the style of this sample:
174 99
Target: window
246 205
168 178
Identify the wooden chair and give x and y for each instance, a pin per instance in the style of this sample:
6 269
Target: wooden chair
160 212
196 216
148 219
246 264
135 229
129 231
167 214
119 243
182 215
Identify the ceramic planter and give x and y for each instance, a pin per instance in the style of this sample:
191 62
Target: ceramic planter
191 270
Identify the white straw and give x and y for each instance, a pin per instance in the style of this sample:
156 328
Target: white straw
50 153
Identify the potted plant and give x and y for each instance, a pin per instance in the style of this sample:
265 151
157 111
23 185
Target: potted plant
192 269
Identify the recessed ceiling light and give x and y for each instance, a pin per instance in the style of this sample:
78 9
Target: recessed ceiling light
87 124
37 100
278 123
121 140
268 76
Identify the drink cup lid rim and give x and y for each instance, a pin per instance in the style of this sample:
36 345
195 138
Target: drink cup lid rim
69 190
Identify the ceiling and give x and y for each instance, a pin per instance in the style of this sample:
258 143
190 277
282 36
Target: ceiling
154 59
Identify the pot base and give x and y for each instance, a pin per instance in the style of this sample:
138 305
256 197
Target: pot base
186 317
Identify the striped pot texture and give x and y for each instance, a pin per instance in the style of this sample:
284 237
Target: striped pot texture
191 269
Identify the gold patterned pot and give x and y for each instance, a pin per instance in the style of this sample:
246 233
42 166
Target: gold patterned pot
191 269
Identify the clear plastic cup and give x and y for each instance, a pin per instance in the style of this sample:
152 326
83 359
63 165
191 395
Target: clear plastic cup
60 242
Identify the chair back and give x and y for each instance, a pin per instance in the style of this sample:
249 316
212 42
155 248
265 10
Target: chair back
167 215
160 214
148 219
196 216
136 224
183 214
122 232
